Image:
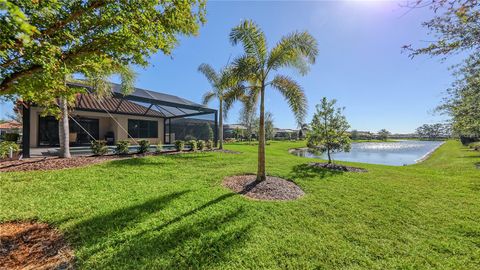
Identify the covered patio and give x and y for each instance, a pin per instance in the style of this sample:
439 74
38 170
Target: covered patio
144 114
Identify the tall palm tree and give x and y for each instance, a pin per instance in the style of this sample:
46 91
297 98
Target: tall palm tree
256 66
221 82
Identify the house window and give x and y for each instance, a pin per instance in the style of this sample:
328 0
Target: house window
142 128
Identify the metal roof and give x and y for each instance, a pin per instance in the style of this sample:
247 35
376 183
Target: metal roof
168 106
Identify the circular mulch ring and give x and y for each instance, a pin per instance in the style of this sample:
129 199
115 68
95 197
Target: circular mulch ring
273 188
31 245
336 167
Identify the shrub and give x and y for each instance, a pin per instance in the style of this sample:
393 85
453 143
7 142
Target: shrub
159 148
5 148
201 145
143 146
190 137
11 137
122 147
209 144
179 145
192 144
99 148
475 146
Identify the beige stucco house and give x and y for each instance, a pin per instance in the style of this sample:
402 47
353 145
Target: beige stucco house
142 115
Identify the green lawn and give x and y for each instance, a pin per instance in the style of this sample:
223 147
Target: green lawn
171 212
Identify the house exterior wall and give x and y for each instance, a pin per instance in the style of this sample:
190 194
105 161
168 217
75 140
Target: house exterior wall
118 125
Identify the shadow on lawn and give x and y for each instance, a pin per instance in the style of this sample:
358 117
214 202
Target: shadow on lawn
139 161
303 171
116 239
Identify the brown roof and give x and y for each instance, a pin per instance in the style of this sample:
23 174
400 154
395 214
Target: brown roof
113 105
10 125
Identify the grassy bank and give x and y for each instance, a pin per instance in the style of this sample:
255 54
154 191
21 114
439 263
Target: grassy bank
171 212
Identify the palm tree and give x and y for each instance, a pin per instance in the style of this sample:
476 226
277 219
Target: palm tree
221 82
256 66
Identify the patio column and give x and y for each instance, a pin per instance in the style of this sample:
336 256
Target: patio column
216 129
26 131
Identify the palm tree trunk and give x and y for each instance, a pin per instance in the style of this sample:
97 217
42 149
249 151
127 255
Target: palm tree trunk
261 175
64 130
220 126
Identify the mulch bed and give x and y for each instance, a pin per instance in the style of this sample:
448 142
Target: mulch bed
336 167
30 245
273 188
51 163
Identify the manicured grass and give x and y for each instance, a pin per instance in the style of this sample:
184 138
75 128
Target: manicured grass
171 212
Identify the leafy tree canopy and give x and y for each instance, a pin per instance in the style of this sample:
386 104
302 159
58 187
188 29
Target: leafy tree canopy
329 129
41 42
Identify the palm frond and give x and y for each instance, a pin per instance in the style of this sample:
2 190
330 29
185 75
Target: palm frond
297 50
208 96
252 38
209 73
244 67
233 94
293 94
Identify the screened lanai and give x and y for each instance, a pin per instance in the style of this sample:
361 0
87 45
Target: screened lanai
143 114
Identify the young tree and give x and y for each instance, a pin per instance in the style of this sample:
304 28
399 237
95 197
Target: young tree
221 82
248 116
257 65
269 126
329 129
383 134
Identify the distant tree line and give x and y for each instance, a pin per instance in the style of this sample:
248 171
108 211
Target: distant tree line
434 131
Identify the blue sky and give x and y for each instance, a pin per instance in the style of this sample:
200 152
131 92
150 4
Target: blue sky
360 63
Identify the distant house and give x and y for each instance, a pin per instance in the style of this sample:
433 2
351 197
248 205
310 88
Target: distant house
230 129
10 127
285 134
142 115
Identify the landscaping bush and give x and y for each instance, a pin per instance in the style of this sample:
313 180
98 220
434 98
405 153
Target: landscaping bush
159 148
122 147
11 137
189 138
201 145
5 148
143 146
99 148
192 144
179 145
209 144
475 146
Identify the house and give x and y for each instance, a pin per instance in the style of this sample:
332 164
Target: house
141 115
230 131
285 134
10 127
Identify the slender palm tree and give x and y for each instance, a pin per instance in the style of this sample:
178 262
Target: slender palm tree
221 82
256 67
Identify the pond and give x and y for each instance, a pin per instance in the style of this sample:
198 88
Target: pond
387 153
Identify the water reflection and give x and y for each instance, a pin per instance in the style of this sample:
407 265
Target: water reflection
387 153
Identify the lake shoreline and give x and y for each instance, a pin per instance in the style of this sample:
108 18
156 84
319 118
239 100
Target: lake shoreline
427 155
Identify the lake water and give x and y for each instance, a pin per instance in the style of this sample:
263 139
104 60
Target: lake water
388 153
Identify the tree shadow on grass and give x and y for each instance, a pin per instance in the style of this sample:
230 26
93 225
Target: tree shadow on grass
304 171
141 161
96 229
195 245
117 239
